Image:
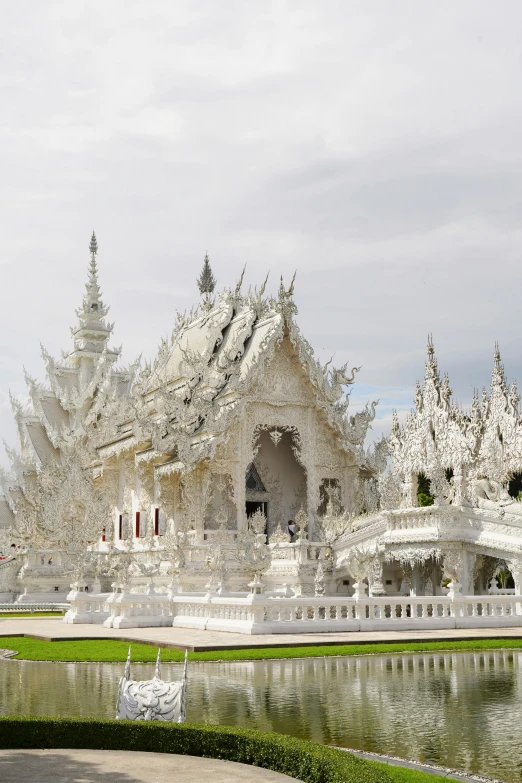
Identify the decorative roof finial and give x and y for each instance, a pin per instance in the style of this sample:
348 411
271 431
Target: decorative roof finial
431 347
496 355
206 280
93 246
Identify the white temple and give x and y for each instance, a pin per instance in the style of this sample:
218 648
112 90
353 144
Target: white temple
163 494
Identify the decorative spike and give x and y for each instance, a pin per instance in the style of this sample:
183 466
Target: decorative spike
183 705
127 672
240 281
263 287
431 347
290 291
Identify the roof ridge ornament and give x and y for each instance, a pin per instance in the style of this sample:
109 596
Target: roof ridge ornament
285 303
240 281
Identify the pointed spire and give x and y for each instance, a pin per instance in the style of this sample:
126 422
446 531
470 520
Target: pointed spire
432 370
496 355
93 267
206 281
498 379
92 332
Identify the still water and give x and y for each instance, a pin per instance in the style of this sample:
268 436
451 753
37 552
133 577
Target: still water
461 710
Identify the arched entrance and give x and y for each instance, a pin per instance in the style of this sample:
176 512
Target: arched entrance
276 480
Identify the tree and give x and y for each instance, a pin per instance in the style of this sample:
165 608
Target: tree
206 280
424 496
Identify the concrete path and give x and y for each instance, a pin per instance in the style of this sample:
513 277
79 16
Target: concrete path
54 629
121 766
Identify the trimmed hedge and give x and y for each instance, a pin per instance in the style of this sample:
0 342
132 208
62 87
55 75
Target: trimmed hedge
299 759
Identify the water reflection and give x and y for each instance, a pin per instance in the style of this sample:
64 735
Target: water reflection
457 709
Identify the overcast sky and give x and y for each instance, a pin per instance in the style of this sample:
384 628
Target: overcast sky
373 146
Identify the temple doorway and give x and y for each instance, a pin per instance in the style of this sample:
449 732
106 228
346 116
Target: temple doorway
276 479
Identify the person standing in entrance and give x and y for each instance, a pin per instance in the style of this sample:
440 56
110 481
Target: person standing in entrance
292 530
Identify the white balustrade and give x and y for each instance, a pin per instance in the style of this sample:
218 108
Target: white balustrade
261 614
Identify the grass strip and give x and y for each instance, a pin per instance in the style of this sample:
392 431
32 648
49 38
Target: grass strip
31 614
403 775
108 650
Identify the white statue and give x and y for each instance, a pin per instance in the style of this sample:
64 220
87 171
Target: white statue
151 699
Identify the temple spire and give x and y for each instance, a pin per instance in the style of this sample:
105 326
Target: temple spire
206 280
498 379
92 331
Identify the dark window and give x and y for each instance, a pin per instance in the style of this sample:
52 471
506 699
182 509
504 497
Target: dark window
120 527
253 481
137 524
156 521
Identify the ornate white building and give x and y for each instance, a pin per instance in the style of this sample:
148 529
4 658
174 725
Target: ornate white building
167 490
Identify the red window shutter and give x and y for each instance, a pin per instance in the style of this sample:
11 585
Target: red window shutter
120 527
156 521
137 524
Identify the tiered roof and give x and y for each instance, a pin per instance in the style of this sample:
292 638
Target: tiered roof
78 387
203 376
485 441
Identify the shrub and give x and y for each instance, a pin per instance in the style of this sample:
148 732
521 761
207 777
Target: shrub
300 759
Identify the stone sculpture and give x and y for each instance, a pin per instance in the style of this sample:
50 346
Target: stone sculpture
151 699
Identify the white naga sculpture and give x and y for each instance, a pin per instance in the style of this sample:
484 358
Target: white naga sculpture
151 699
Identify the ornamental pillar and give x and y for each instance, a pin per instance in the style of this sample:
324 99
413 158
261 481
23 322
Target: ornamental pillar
416 582
515 566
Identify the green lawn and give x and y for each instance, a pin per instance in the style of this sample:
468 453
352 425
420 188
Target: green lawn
401 775
31 649
31 614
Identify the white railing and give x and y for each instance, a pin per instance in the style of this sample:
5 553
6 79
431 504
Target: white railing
34 607
261 614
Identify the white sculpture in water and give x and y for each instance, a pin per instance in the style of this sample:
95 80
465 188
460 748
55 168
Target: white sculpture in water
151 699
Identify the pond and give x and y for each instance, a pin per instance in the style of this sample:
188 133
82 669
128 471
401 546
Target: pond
461 710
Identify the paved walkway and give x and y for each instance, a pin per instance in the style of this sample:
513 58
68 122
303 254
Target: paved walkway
54 629
122 766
